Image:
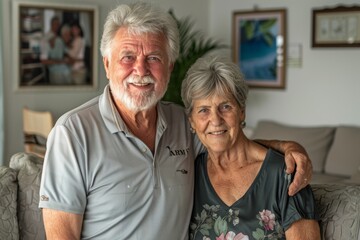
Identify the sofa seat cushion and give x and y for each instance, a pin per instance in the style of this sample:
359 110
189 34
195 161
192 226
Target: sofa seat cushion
339 210
8 208
316 140
344 154
29 167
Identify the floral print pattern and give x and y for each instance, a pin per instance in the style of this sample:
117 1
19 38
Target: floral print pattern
268 219
209 220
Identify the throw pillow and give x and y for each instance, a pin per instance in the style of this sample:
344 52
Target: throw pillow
29 167
316 140
8 201
339 210
344 154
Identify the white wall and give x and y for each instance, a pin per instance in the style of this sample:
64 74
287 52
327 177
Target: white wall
62 101
325 90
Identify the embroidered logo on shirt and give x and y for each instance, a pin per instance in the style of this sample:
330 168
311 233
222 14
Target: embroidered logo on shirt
177 152
44 198
183 171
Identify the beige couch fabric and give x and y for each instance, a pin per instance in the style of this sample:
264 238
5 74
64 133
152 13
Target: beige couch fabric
29 169
344 153
338 204
339 209
8 199
316 140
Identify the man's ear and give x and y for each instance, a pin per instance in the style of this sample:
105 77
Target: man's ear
171 67
106 66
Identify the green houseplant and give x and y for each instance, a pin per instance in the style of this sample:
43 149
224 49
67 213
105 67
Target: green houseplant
193 45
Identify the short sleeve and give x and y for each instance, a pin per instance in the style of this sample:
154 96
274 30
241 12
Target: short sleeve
63 182
299 206
289 208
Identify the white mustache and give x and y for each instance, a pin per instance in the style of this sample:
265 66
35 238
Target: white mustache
140 80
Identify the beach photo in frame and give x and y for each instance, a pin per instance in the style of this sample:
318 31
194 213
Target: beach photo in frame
259 46
55 46
336 27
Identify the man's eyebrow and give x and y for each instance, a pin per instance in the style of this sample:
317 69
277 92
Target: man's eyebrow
156 52
126 52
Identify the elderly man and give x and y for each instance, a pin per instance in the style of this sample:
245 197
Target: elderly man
121 166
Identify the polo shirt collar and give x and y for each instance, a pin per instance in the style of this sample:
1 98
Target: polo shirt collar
113 120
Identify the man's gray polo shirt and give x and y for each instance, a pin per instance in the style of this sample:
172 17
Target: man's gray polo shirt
96 167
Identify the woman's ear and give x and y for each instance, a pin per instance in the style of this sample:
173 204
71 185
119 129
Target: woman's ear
242 114
191 125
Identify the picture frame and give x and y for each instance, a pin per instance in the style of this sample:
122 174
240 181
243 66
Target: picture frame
55 46
259 46
336 27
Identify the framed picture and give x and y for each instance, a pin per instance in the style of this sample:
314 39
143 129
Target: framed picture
259 46
55 46
336 27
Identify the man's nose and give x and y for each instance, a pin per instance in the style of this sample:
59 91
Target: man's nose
141 68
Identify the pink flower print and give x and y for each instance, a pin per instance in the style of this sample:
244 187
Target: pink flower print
232 236
221 237
268 219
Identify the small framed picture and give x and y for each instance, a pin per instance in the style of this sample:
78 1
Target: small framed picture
259 46
336 27
55 46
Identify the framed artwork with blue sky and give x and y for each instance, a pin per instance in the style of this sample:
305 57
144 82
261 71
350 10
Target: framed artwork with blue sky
259 46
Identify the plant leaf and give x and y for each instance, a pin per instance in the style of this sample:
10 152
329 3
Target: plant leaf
193 45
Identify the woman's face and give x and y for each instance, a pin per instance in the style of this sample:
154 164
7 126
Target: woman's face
217 122
75 30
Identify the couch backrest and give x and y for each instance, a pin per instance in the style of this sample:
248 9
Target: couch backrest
316 140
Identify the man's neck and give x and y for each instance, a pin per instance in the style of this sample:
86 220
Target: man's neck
141 120
142 124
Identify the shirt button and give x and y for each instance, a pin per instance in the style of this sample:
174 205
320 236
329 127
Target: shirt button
144 150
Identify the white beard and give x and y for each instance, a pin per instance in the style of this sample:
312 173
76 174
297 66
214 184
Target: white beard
135 102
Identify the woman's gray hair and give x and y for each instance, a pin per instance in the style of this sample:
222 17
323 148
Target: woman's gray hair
141 18
210 76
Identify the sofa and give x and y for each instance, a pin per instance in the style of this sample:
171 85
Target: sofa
334 150
20 218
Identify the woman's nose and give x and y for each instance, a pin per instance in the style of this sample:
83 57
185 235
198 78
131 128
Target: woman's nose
216 118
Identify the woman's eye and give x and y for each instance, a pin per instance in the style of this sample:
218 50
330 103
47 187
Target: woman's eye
203 110
225 107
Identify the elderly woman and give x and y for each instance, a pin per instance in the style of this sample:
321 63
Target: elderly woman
241 187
